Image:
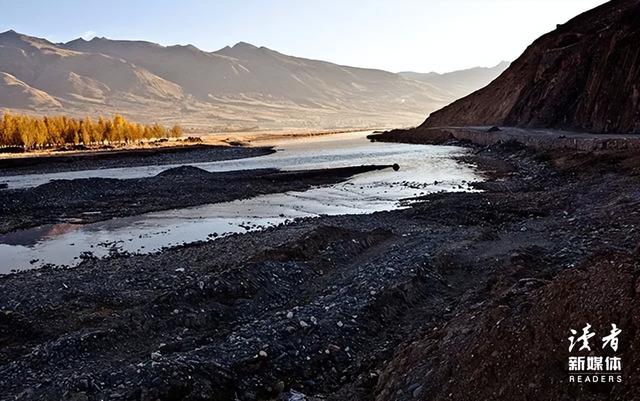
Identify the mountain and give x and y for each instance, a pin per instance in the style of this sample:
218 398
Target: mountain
460 83
67 74
237 87
585 75
16 94
245 71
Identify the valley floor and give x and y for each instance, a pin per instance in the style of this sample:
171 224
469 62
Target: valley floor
462 296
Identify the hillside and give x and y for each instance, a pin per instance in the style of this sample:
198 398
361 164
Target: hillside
239 87
15 93
585 75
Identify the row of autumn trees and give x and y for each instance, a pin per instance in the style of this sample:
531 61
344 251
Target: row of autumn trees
30 132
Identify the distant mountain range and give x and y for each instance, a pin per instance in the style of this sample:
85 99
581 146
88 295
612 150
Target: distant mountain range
237 87
459 83
585 76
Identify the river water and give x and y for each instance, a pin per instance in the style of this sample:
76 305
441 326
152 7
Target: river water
423 169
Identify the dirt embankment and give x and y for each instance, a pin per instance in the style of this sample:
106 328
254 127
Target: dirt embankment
462 296
538 139
514 345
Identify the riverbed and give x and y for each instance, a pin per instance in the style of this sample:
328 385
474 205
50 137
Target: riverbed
423 169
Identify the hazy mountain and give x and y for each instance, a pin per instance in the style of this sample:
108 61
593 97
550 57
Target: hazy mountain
585 75
245 71
67 74
16 94
460 83
239 86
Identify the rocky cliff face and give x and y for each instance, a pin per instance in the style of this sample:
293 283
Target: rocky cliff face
585 75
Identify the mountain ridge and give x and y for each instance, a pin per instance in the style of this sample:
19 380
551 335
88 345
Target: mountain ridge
460 82
238 86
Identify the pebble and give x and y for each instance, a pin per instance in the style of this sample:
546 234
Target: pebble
333 348
416 392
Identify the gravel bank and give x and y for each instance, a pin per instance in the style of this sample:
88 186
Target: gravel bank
463 296
127 158
97 199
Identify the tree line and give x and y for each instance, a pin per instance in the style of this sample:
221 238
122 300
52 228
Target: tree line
31 132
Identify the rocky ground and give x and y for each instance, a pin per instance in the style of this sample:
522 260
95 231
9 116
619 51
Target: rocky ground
463 296
96 199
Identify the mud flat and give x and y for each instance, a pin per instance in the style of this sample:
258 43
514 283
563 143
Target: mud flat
461 296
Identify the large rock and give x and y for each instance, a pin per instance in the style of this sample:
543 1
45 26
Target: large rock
585 75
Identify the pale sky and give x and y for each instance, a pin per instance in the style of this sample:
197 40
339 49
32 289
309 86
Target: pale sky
395 35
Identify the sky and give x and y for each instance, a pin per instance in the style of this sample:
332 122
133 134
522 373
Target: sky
394 35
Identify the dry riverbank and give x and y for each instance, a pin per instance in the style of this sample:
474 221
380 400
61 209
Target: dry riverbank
269 138
538 139
90 160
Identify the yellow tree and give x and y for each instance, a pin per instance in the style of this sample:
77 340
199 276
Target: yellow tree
41 133
119 126
176 131
86 128
8 126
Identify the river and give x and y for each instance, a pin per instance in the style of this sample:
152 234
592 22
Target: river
423 169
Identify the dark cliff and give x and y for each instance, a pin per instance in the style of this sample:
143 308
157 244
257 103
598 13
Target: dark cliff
585 75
